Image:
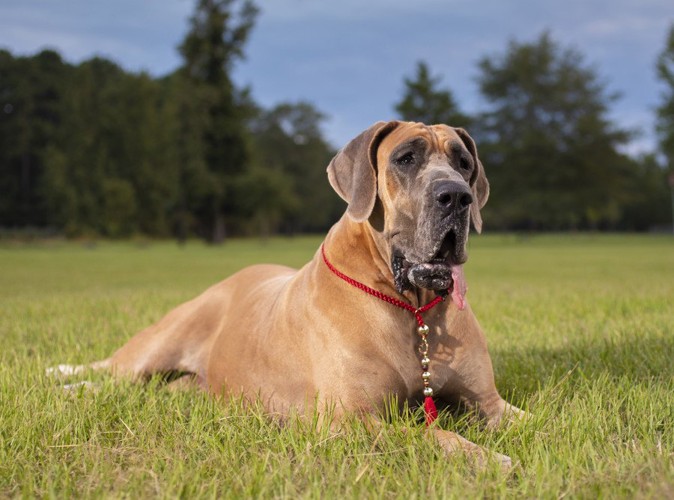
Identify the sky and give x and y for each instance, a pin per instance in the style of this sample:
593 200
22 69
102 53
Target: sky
349 57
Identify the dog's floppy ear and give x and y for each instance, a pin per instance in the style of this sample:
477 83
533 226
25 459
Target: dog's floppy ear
478 181
353 171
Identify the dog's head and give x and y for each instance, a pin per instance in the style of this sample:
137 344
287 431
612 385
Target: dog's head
419 187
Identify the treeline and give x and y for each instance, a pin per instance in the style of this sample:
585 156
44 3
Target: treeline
554 158
91 149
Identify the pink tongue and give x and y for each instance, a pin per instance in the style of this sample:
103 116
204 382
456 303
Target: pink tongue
460 288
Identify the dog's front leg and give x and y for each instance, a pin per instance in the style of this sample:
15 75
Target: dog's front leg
452 444
493 409
506 413
468 375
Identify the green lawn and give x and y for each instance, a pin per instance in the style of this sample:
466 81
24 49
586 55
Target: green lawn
581 332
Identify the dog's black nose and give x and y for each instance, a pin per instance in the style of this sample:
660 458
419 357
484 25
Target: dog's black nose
452 197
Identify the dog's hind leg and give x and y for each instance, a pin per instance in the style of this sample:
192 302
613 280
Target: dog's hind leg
179 343
168 351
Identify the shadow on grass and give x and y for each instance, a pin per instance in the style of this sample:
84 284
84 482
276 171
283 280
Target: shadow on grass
640 359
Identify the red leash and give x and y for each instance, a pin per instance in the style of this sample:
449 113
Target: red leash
430 410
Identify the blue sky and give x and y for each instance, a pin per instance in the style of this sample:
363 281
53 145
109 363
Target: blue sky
349 57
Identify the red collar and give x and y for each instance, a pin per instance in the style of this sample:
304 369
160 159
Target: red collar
383 296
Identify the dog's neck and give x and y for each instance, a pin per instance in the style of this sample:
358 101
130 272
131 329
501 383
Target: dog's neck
350 244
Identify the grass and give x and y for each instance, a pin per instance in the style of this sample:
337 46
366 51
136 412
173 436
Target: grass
581 332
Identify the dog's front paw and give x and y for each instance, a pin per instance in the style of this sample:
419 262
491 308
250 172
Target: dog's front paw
505 462
451 443
510 415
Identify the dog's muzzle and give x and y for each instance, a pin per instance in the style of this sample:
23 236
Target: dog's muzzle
441 267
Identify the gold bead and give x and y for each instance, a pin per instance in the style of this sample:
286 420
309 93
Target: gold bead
423 330
428 391
425 362
426 375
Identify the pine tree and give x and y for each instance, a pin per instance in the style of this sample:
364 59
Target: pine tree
552 152
665 125
424 102
210 49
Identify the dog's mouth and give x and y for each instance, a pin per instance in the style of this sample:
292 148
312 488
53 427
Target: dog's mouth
443 272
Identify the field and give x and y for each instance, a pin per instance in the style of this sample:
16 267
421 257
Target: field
581 332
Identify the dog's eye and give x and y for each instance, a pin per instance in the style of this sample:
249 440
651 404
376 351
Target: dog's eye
465 163
406 159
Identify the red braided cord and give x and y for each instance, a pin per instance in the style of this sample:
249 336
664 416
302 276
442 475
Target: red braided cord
383 296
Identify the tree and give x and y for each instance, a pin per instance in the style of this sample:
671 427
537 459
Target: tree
290 148
552 152
424 102
108 169
649 207
144 155
665 117
215 41
81 155
31 90
185 121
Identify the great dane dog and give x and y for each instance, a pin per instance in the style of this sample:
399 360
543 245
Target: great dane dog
309 340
